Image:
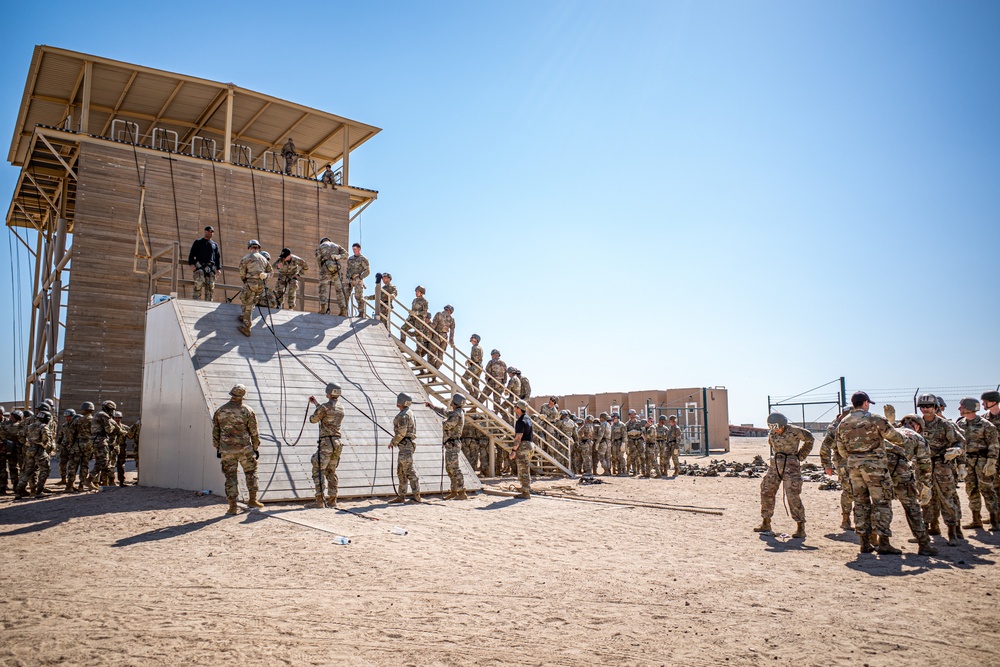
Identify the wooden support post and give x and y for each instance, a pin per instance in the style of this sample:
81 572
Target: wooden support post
346 168
55 301
228 142
88 79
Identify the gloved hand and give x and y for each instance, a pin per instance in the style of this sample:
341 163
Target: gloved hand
262 276
218 454
990 469
952 453
256 454
924 495
890 412
962 472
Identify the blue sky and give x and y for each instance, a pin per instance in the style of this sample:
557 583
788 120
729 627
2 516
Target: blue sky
760 195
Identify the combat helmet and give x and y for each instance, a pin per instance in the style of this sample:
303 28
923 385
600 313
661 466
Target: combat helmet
69 412
776 420
991 396
970 404
927 401
109 406
253 242
86 406
458 400
333 390
238 391
404 399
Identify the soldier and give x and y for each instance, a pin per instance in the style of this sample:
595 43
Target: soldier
328 179
946 445
62 443
8 452
674 443
512 395
443 332
603 437
496 374
618 434
204 260
911 489
357 270
521 451
81 447
103 427
586 433
651 465
237 443
633 429
982 447
473 367
830 459
860 438
567 427
470 441
405 437
120 452
36 456
790 445
329 415
662 430
525 386
133 435
289 268
290 155
550 411
454 422
388 293
414 325
328 256
991 404
254 270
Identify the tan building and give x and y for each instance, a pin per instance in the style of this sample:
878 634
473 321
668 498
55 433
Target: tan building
702 412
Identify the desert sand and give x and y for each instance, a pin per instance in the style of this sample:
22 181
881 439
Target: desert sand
145 576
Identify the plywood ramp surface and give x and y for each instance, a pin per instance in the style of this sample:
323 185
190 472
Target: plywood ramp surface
355 353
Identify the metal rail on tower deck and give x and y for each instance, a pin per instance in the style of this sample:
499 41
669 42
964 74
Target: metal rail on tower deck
551 452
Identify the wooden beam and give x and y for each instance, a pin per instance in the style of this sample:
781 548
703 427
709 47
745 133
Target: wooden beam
324 140
252 120
88 80
58 157
206 115
163 110
228 138
118 105
42 192
68 111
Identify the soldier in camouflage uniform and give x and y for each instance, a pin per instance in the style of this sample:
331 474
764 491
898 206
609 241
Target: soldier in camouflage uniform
387 292
290 155
991 404
618 435
567 427
62 444
237 443
603 437
81 448
454 422
790 445
470 441
357 271
650 464
982 447
442 333
120 450
39 445
405 437
662 430
525 393
8 451
473 368
523 444
414 326
830 459
587 445
910 469
254 270
496 376
103 427
946 444
674 436
860 440
329 415
133 435
633 429
328 256
512 395
550 411
289 267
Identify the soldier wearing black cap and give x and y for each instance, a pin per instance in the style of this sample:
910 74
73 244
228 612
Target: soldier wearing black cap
204 260
991 403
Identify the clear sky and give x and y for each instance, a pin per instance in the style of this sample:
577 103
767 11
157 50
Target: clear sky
636 195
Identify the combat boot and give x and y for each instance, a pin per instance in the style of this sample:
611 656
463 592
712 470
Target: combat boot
397 499
866 544
450 495
253 502
995 522
977 521
462 495
331 501
958 532
934 528
845 523
800 529
764 527
524 494
233 509
319 501
952 540
417 498
885 548
925 547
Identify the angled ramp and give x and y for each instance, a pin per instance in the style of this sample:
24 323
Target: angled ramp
194 355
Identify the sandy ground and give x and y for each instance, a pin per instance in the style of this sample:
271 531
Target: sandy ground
141 576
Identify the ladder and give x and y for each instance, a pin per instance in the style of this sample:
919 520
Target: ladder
441 369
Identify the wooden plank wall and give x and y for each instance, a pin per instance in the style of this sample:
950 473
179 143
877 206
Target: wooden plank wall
106 303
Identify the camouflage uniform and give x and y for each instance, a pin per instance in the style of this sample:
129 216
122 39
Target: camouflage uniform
586 433
62 447
549 413
81 448
829 457
618 434
603 446
903 460
118 446
633 428
454 422
133 435
568 430
995 420
389 292
662 430
859 441
8 457
328 256
511 396
443 332
329 415
251 266
234 435
404 439
290 156
981 446
941 435
650 464
470 442
414 326
525 387
473 369
789 449
36 466
289 269
496 372
674 436
103 428
357 271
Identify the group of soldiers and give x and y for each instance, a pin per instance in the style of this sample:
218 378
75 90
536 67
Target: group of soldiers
918 460
30 438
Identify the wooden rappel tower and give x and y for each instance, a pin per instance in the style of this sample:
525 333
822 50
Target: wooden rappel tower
122 167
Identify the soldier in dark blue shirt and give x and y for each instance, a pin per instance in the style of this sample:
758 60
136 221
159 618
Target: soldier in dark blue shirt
204 260
521 452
